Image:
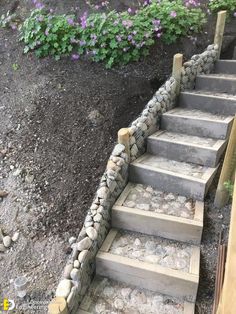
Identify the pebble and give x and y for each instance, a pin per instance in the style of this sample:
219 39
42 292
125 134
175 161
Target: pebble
108 291
119 148
17 172
154 259
97 217
137 242
63 289
119 304
82 256
72 240
71 298
126 292
6 241
76 264
2 248
130 204
143 206
92 233
15 236
75 274
67 270
84 244
103 192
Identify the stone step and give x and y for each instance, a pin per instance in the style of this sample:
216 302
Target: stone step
197 123
202 100
225 66
149 262
182 147
223 83
143 209
172 176
110 296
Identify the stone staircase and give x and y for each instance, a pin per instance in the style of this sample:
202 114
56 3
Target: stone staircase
150 260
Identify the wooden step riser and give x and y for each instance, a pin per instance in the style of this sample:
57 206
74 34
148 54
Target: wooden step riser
213 104
197 127
148 276
225 67
184 153
169 182
169 227
216 84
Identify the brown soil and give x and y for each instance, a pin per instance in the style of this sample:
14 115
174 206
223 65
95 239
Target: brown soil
46 128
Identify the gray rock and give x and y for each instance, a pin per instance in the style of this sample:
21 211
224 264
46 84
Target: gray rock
2 248
92 233
96 118
72 297
64 288
72 240
103 192
67 270
84 244
15 236
76 263
118 149
119 304
97 218
82 256
6 241
75 274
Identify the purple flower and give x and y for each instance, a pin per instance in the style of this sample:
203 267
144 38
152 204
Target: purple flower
39 5
75 57
116 23
127 23
234 14
129 10
94 37
159 35
82 43
118 38
46 32
70 21
173 14
130 37
83 20
156 22
39 18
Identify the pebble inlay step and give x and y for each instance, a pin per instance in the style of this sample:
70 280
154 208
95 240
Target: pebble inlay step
149 199
154 250
110 296
197 114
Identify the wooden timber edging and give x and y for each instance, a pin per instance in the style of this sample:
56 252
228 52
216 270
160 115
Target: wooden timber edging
227 303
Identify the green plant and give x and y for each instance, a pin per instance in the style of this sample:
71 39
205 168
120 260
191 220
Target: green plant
116 38
15 66
217 5
229 187
8 20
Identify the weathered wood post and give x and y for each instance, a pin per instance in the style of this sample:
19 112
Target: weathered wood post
220 28
58 306
228 294
177 67
123 138
228 169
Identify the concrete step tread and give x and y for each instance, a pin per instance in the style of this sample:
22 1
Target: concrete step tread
218 76
210 94
110 296
150 200
198 115
155 250
189 140
180 169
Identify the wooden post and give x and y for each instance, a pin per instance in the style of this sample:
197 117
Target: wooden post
177 67
123 138
58 306
228 169
220 28
228 295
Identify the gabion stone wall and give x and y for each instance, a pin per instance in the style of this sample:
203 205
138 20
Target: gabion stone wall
148 122
199 64
80 267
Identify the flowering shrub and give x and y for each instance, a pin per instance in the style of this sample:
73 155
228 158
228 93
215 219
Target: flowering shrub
116 38
217 5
